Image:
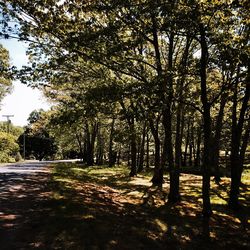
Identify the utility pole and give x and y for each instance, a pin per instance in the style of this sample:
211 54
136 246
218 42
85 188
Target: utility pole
8 122
24 145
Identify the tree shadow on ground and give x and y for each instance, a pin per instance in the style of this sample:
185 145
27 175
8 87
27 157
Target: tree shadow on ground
184 226
78 209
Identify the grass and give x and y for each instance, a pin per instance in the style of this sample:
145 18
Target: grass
102 208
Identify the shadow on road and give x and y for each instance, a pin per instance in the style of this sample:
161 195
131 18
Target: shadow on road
23 194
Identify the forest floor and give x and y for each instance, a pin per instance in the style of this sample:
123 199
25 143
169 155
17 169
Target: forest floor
76 207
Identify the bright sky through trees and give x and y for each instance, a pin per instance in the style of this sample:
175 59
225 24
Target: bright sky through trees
23 99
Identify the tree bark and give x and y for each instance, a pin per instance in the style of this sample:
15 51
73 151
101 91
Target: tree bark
207 210
99 148
111 153
186 144
147 150
174 194
216 139
235 158
142 148
79 142
91 137
198 149
157 179
132 138
133 149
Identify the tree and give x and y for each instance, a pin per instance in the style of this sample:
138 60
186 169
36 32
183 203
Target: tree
38 142
8 147
5 77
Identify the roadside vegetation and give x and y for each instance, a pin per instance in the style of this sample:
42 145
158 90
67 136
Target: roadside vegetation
130 213
9 148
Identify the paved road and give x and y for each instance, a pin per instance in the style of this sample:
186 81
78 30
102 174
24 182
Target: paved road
28 167
23 193
24 203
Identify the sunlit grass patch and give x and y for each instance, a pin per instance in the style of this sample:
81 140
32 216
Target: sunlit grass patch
117 177
217 200
98 194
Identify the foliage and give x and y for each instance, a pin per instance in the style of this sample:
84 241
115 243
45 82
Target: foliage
5 77
8 147
13 130
38 142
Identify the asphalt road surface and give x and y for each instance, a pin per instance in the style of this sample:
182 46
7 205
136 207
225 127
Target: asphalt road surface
24 203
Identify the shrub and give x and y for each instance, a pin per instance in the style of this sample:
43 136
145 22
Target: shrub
8 147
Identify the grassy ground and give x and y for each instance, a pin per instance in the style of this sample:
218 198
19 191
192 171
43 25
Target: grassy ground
102 208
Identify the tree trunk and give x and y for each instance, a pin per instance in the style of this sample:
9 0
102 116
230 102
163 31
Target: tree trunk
186 145
132 137
178 143
133 149
111 153
243 148
207 211
129 156
198 149
89 153
237 129
190 164
147 149
157 179
91 137
174 195
79 141
142 148
180 110
99 148
216 139
119 156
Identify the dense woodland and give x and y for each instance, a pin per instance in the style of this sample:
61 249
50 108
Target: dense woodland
161 85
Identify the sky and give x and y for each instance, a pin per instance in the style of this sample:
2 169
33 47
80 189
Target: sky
23 100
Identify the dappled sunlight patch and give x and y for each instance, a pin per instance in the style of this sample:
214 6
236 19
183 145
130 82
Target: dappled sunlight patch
135 194
8 220
8 216
161 225
15 188
213 235
87 217
183 239
217 200
113 242
100 170
139 180
8 225
21 196
66 180
57 196
45 194
36 244
113 203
